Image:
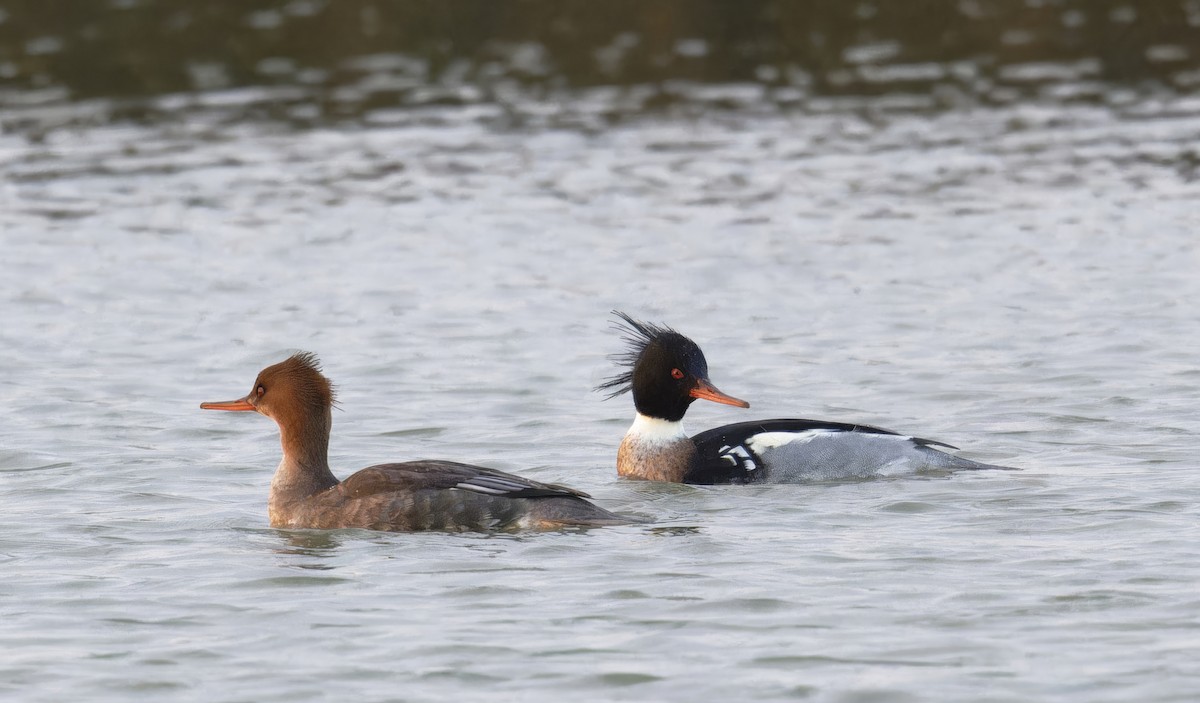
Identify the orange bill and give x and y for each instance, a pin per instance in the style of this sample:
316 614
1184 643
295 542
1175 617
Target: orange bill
239 405
707 391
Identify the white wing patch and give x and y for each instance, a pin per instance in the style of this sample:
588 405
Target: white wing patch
738 456
484 489
763 441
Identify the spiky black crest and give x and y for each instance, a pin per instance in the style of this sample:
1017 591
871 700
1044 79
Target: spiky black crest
638 335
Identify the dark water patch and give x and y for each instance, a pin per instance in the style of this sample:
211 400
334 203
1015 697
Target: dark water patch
418 432
290 581
676 531
753 605
143 686
457 675
164 622
624 678
801 660
578 651
626 594
40 467
306 63
910 507
473 592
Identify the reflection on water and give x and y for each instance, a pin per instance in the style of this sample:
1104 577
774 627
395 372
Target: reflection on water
324 61
674 531
311 543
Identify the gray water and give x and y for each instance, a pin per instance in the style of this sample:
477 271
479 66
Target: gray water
1019 281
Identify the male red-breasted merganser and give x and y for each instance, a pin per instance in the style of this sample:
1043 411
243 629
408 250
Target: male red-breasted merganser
667 371
415 495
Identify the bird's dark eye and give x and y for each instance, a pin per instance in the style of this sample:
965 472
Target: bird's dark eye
259 391
676 374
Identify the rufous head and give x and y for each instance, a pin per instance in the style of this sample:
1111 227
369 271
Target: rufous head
293 388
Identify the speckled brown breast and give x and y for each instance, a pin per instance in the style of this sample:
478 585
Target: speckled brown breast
655 461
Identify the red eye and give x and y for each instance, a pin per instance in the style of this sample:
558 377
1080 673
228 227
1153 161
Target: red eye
676 374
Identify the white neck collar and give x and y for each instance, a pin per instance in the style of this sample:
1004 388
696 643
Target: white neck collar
654 431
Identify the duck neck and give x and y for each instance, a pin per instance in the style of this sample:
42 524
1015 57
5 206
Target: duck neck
655 450
304 470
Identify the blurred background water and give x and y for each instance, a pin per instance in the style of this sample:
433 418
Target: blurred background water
973 221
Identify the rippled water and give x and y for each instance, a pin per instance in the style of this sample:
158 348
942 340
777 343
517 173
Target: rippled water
1018 281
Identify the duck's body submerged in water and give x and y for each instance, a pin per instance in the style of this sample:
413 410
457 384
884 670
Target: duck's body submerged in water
667 372
403 497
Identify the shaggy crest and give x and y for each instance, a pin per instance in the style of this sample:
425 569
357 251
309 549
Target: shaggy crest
639 336
303 370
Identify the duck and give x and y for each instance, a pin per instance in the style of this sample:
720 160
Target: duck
666 372
396 497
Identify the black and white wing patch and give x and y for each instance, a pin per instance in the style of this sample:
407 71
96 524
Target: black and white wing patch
723 463
739 453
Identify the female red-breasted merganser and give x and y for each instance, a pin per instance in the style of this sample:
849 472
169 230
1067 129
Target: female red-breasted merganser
415 495
667 371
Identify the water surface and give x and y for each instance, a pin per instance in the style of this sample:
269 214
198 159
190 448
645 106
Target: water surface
1017 280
